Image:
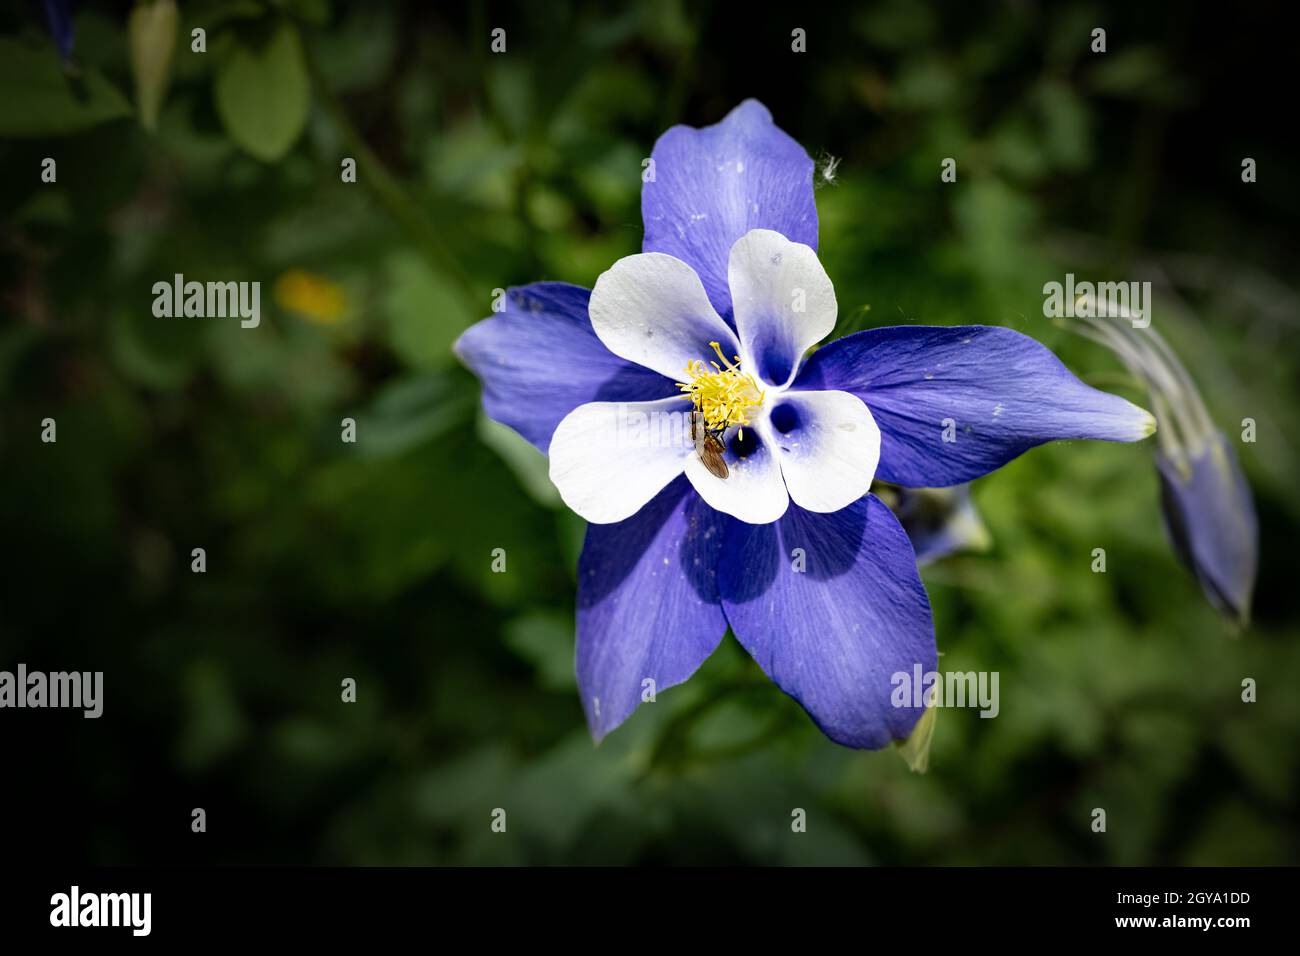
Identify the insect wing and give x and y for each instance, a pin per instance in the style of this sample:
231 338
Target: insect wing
711 454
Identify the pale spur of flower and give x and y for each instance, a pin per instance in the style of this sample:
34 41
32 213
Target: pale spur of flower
1208 509
812 573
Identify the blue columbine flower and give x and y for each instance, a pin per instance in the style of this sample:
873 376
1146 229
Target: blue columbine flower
711 323
1208 509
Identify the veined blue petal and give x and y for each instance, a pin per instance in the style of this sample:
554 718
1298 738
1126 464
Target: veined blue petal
956 403
713 185
1210 515
833 634
648 605
539 359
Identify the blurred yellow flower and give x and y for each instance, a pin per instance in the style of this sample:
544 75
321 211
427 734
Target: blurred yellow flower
310 295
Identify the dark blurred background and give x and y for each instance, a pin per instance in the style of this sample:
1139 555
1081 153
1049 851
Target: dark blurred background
372 560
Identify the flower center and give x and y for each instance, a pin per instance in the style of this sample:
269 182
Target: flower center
721 393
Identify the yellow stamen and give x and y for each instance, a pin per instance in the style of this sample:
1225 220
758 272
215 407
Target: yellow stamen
724 394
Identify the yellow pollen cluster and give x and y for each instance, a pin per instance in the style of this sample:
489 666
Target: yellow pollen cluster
721 393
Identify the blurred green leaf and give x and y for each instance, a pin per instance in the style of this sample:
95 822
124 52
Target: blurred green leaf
1140 73
42 100
530 466
1066 123
408 412
425 312
545 639
263 92
157 353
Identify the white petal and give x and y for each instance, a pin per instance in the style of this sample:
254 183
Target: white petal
610 458
784 302
651 309
828 450
752 491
